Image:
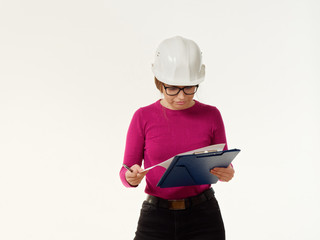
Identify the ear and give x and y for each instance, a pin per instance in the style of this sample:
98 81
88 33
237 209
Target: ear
162 89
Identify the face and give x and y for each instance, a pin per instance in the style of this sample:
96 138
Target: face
178 102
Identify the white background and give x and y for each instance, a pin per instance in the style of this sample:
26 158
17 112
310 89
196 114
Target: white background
72 73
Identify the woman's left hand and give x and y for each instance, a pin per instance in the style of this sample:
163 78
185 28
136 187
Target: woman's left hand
224 174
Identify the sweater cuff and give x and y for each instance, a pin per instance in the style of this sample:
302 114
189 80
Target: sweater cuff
124 180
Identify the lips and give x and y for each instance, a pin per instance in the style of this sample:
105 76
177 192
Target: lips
180 103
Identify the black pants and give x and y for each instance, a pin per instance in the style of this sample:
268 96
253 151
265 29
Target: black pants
200 222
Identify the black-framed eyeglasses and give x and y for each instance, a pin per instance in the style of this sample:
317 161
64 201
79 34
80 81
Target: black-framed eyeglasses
173 90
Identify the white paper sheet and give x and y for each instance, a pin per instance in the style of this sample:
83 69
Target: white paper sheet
166 164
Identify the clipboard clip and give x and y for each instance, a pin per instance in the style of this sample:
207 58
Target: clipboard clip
201 152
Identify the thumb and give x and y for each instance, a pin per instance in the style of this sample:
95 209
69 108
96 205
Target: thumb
136 168
141 173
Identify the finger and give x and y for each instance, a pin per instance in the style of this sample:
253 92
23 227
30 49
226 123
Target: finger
219 175
223 175
223 170
131 175
136 176
136 168
134 180
135 171
142 172
218 172
223 178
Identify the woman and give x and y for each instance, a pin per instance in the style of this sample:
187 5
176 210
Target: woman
175 124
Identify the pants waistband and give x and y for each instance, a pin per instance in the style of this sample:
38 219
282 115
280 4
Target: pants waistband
181 204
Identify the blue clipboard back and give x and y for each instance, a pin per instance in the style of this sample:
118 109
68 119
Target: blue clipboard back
194 169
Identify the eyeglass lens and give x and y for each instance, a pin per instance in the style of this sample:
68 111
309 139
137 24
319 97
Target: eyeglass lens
189 90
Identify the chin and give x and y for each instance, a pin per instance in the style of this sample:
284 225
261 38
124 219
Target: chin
180 107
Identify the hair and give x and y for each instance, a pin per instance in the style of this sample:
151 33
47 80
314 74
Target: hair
158 84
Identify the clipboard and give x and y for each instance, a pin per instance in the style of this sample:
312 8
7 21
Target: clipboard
194 169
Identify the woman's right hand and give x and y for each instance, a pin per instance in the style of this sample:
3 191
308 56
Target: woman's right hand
134 178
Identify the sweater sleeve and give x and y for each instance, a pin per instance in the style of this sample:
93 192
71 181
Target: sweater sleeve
219 135
134 145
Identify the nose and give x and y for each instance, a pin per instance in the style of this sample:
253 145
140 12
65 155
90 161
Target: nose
181 94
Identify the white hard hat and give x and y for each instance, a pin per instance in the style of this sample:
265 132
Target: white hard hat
178 61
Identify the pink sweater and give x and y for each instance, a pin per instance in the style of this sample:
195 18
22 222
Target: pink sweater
157 133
